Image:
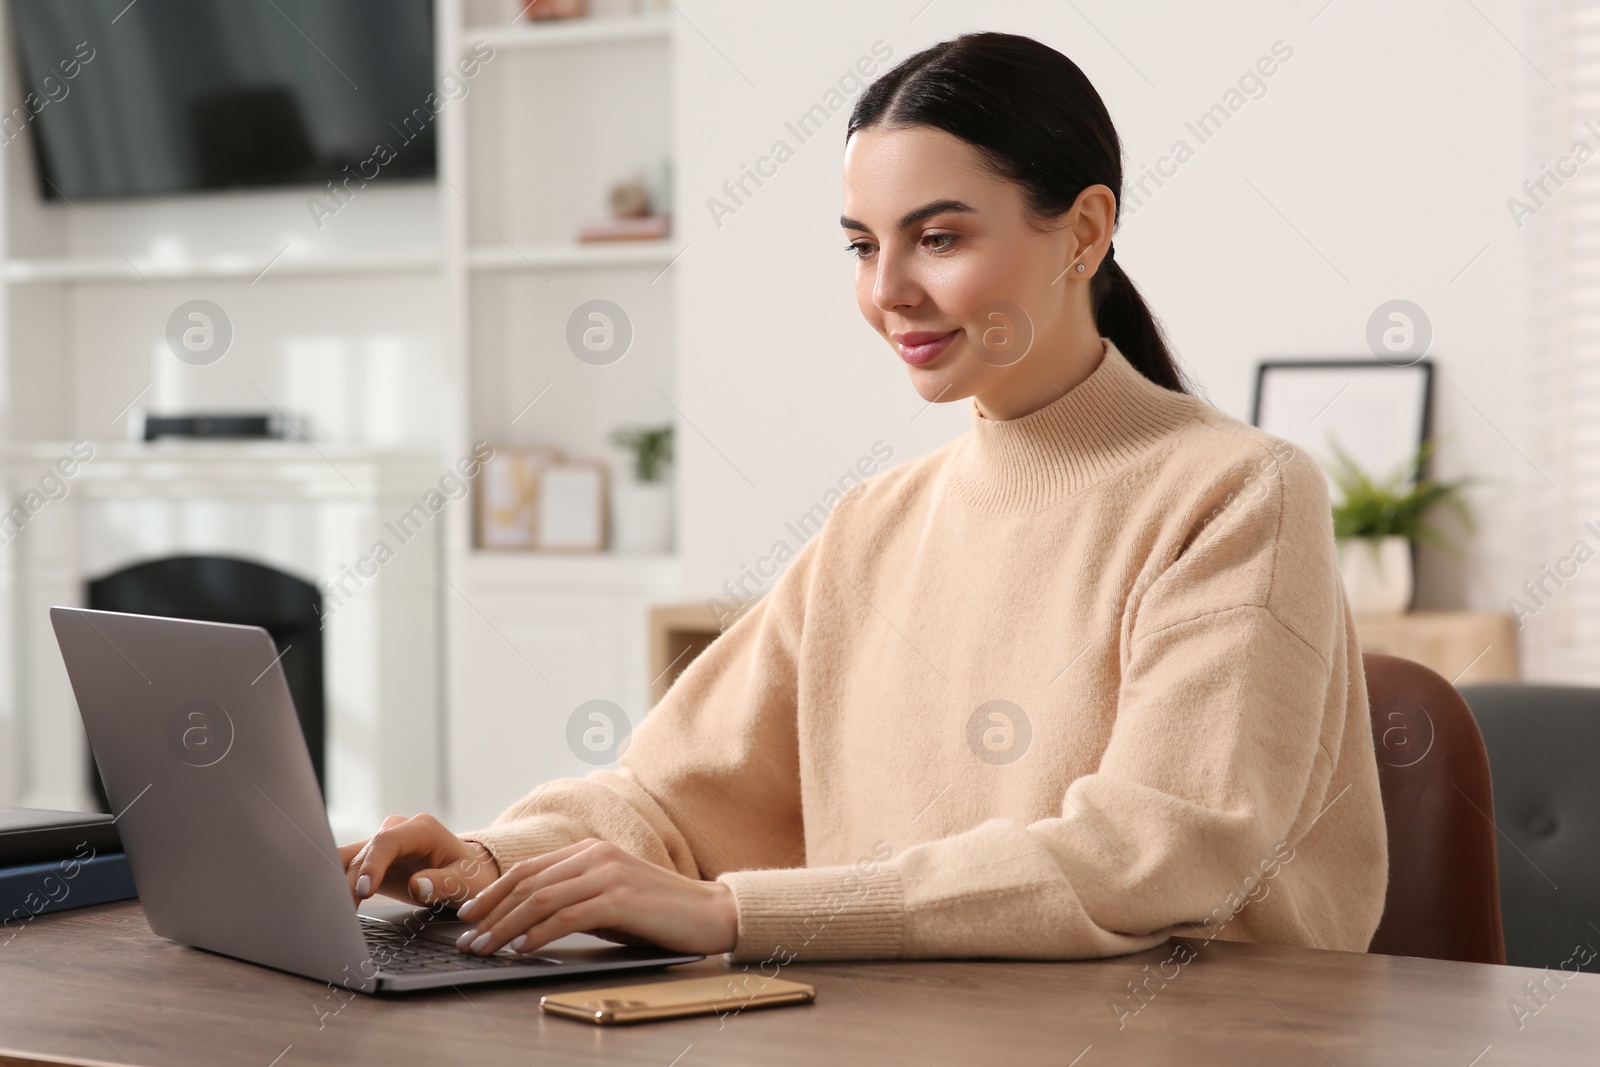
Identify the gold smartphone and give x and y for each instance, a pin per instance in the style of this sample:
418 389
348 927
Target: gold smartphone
671 1000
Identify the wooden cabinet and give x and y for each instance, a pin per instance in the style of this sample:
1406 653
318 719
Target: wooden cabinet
1463 646
678 633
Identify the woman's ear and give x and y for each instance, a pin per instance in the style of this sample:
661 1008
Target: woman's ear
1090 221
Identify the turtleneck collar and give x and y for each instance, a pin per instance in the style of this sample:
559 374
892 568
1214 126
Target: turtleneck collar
1092 430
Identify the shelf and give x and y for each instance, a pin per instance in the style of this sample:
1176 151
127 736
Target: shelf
573 255
556 33
232 470
509 570
116 269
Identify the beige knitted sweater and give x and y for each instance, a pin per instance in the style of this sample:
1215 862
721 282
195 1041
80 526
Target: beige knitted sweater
1060 688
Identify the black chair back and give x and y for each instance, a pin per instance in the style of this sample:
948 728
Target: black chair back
1544 755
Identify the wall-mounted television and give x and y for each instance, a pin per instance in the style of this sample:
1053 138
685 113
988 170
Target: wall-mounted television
161 97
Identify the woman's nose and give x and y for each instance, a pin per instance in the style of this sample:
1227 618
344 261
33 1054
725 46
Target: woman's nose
895 285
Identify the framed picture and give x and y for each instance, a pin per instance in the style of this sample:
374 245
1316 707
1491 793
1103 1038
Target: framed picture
1379 414
572 507
508 496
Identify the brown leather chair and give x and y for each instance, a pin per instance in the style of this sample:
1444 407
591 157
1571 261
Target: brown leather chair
1438 802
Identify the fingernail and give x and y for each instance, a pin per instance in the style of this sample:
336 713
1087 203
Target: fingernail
465 910
363 886
478 945
425 888
465 939
517 942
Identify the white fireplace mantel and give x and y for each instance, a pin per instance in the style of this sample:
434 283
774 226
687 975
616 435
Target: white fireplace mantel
313 511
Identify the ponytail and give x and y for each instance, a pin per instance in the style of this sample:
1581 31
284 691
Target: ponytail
1034 117
1121 314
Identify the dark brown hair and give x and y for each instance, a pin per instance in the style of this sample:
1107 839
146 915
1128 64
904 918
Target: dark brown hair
1034 117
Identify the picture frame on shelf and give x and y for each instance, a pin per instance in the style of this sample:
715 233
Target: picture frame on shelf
508 496
572 507
1379 413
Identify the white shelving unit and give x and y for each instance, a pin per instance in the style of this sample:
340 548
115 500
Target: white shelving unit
226 266
600 572
559 112
572 256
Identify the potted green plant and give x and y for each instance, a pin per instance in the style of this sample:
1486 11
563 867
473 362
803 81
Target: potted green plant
1376 522
641 510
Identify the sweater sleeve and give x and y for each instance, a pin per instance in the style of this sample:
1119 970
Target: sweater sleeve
710 779
1230 713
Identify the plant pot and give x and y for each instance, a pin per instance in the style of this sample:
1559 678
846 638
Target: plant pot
1376 574
641 517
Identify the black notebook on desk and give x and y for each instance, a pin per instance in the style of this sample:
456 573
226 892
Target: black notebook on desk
34 835
55 860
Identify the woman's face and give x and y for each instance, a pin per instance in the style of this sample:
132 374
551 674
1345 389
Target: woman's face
952 273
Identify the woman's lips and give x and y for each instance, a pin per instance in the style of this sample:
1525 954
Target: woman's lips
922 347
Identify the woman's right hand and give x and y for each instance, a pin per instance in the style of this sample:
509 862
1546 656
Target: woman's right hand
417 859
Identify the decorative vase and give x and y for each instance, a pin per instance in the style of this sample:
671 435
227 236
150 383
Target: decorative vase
1376 574
540 10
641 517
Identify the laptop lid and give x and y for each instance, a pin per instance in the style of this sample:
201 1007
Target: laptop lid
194 732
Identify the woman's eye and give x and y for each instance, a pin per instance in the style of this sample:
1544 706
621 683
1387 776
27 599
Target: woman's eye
859 249
940 242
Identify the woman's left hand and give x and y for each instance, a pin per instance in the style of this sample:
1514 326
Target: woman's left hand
595 886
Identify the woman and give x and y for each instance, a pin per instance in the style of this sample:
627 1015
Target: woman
1078 680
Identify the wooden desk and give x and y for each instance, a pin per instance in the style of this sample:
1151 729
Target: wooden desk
96 983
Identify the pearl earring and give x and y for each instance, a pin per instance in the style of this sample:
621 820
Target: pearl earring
1081 268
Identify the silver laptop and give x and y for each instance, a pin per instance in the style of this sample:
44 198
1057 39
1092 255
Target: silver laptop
205 765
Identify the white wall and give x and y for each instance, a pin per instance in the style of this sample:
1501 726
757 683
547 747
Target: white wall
1375 166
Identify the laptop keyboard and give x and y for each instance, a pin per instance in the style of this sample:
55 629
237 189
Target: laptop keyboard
397 952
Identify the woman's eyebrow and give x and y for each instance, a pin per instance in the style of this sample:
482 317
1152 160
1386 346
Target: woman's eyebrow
926 211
